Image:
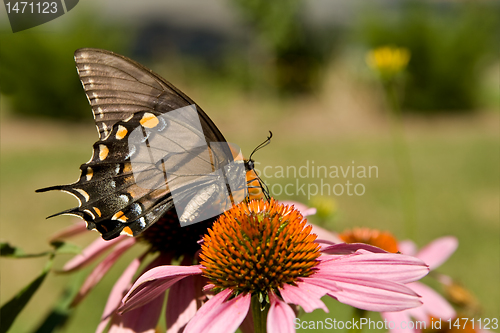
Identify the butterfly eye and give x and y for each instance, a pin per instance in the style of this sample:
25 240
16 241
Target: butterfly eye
250 165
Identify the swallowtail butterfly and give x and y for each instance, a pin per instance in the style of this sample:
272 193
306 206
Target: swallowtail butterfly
157 150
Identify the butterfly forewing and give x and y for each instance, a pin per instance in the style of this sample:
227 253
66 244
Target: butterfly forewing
117 87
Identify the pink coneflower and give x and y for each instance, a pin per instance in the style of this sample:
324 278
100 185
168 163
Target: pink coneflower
434 254
166 241
264 254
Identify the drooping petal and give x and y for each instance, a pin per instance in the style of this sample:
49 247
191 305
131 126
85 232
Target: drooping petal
327 284
303 209
91 253
119 289
407 247
434 304
76 229
306 295
374 295
122 286
397 322
154 282
280 318
381 266
219 312
143 319
350 248
325 236
101 269
438 251
181 304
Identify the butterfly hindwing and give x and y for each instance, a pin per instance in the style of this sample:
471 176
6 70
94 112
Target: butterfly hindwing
109 197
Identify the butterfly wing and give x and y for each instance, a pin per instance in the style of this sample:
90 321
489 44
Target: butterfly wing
153 141
118 87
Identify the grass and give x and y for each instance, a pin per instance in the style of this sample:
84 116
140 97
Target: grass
455 164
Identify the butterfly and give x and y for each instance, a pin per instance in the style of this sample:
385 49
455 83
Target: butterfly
157 150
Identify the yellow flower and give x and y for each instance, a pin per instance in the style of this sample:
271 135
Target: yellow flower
388 60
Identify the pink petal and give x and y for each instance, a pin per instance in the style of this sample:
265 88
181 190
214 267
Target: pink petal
91 253
122 286
219 312
115 326
375 266
375 295
181 304
76 229
407 247
434 304
438 251
327 284
154 282
280 318
396 320
350 248
323 243
307 295
119 289
325 235
101 269
303 209
143 319
208 287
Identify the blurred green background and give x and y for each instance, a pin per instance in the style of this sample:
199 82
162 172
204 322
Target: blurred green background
296 68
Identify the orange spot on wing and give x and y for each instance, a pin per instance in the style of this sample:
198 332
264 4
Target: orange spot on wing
103 152
149 120
90 173
127 231
120 216
121 132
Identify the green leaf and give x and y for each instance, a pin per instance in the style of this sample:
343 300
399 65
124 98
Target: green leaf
11 309
7 250
55 319
66 248
61 311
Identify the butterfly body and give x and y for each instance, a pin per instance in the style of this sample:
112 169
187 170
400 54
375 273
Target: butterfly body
157 150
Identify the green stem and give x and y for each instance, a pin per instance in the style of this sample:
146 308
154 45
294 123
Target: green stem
403 161
357 316
259 315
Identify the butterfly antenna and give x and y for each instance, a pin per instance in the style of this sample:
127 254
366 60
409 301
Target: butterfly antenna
262 145
262 185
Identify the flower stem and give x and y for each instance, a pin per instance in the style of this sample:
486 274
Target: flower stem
357 316
259 315
402 157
